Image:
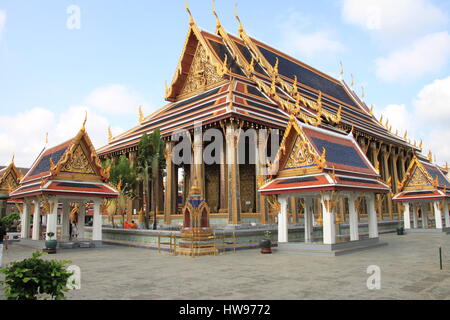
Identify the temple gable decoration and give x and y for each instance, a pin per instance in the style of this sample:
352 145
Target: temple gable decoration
423 181
313 159
9 178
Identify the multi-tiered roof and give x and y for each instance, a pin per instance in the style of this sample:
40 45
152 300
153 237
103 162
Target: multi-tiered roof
311 159
424 180
72 168
221 76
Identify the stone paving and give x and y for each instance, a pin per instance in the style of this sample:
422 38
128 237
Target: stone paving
409 270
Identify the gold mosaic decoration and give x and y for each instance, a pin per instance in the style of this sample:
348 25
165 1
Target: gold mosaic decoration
78 163
202 73
418 178
300 155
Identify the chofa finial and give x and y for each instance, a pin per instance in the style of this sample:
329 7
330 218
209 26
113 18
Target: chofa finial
83 127
191 18
241 28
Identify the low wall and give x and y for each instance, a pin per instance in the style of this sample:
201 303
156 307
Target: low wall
227 237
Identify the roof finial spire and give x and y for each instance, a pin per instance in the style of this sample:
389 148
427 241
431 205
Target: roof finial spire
12 160
371 109
110 135
341 73
353 81
83 127
218 24
362 92
430 156
46 138
191 18
241 28
141 115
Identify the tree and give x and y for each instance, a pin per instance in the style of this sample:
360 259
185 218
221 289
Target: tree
123 176
150 163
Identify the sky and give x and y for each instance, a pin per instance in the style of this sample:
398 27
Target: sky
59 59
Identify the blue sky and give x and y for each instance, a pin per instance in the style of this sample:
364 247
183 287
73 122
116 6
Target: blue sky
125 50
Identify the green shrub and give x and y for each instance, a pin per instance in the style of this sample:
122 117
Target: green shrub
9 222
34 278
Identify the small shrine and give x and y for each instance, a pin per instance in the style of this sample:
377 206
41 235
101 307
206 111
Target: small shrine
326 170
10 177
197 237
63 182
424 194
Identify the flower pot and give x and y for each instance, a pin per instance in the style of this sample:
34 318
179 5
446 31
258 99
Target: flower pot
400 231
51 244
266 246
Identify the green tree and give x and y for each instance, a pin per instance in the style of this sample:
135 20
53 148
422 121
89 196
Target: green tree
150 164
124 177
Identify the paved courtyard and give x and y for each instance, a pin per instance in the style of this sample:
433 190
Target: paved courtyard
409 270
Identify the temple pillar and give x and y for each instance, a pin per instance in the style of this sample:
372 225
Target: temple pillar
223 200
65 223
437 215
36 221
424 216
308 219
25 220
283 221
52 218
170 188
406 216
446 214
373 223
198 158
415 216
261 174
97 223
328 219
81 219
234 201
353 218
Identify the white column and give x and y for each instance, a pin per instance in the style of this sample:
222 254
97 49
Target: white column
97 224
437 215
52 219
328 225
406 216
424 216
308 216
282 221
81 215
36 221
353 217
44 221
373 222
415 216
25 221
446 214
65 221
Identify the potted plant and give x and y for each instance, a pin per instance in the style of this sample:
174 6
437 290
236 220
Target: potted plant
400 230
51 244
266 243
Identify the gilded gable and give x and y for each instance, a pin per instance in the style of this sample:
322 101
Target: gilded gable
418 180
202 74
78 163
300 155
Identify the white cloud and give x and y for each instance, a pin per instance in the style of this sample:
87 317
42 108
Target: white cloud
393 18
296 41
2 22
428 118
116 99
24 133
426 55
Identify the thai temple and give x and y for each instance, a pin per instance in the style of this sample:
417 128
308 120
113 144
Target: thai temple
235 83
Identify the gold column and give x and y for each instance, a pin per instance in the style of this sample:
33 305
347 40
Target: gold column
261 174
223 200
169 190
386 152
234 201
